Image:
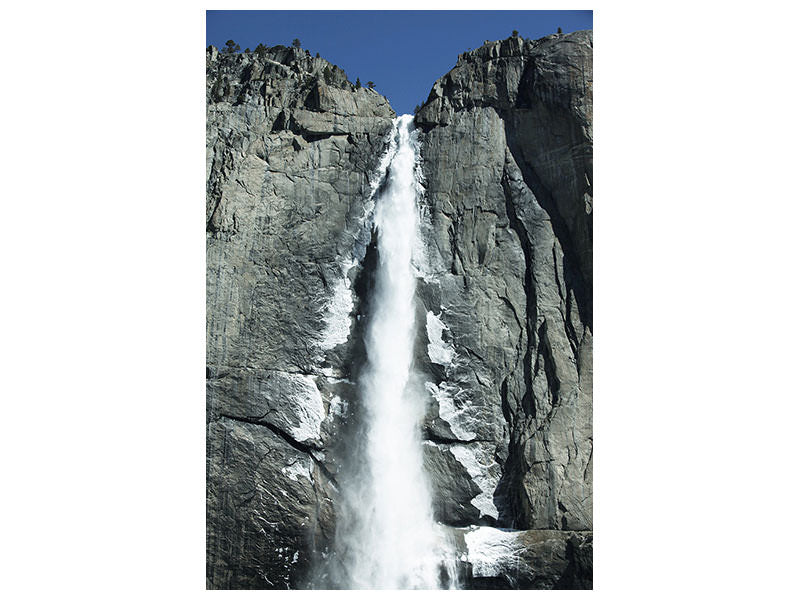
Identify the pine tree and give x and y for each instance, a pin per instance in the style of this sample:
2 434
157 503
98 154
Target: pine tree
261 50
559 30
371 85
296 43
358 83
231 47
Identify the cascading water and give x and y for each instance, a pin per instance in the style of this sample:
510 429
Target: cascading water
386 536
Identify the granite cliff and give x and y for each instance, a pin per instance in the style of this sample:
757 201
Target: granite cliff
504 308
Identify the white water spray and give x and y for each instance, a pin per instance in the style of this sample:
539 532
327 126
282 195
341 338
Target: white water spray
386 536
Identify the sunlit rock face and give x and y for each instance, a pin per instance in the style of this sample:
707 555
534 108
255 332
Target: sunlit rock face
292 147
507 155
502 353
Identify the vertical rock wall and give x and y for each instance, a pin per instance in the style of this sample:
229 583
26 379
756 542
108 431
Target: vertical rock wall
507 156
504 312
291 148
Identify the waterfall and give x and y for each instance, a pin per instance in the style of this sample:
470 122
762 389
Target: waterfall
386 536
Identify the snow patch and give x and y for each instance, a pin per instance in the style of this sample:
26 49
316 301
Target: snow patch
427 262
338 407
422 261
337 315
488 549
478 460
306 404
299 468
439 351
459 419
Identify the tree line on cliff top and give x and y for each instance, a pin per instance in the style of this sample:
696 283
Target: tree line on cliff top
231 47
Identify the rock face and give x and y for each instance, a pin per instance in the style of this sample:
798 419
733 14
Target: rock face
504 310
533 559
507 154
291 149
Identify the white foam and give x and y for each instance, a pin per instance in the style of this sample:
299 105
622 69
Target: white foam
386 529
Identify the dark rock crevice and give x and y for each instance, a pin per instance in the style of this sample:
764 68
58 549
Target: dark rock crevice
430 436
572 268
531 313
527 106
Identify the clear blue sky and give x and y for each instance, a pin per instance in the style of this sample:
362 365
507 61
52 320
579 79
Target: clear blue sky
403 52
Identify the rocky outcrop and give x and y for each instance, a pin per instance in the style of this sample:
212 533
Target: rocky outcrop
291 148
534 559
504 308
507 153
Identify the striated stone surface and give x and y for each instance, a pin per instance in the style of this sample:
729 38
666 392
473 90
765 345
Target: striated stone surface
504 347
264 506
291 149
507 154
